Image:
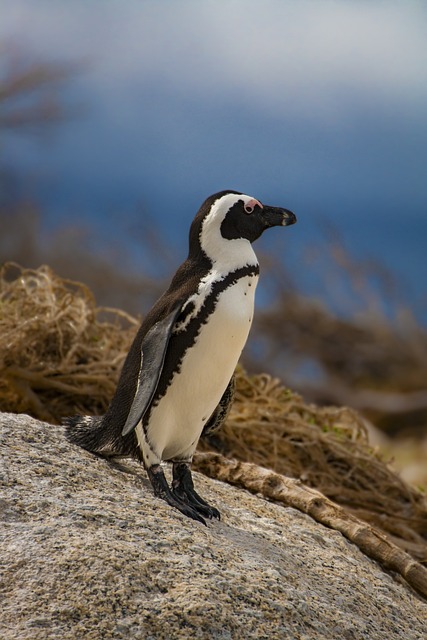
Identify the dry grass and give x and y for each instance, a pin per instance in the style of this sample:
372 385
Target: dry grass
61 355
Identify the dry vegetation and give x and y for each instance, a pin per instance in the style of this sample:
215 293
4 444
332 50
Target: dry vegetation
60 354
326 448
367 347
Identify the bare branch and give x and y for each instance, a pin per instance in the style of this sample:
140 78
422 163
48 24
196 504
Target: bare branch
293 493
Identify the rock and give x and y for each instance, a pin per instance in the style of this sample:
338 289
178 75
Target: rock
89 552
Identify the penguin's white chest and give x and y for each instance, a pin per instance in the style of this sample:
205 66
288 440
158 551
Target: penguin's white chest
177 421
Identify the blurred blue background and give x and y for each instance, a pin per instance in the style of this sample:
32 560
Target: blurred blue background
317 105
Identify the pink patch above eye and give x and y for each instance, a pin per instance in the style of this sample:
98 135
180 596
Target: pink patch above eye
251 204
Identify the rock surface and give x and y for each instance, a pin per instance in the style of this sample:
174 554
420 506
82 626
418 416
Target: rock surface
89 552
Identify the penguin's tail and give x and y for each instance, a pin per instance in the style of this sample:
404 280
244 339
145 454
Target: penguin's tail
90 433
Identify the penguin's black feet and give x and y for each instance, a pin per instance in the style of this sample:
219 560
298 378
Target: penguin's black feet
162 490
183 489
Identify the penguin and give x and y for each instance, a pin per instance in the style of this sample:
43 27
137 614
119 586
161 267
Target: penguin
177 381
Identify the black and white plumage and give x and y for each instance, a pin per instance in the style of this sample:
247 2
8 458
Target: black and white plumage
177 380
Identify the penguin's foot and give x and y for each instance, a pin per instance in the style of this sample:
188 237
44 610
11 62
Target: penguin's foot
183 489
162 490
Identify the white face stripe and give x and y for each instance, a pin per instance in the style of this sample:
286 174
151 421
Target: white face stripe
226 255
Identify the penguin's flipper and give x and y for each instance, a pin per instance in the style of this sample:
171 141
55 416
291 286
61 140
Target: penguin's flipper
153 353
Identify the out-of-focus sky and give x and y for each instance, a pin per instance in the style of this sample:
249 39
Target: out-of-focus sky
317 105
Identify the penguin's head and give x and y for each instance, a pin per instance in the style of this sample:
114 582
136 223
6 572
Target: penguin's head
230 216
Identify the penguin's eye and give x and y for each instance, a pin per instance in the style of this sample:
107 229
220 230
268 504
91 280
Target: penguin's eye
249 208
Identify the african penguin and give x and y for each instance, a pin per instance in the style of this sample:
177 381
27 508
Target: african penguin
178 378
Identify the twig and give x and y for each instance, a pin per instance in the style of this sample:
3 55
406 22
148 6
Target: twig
293 493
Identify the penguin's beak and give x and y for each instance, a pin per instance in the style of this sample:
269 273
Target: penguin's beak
278 217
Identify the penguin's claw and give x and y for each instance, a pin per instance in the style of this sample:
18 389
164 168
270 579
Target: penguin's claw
187 502
197 503
183 507
183 489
